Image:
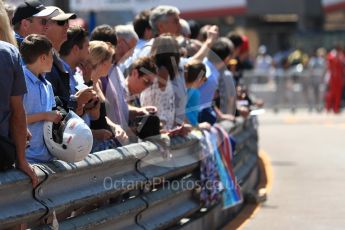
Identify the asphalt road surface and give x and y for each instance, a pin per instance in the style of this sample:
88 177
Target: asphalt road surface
307 155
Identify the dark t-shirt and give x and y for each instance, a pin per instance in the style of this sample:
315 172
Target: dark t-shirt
12 82
59 78
101 123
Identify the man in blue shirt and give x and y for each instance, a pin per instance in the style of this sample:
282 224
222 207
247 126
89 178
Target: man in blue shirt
207 90
12 113
39 100
73 52
219 54
143 29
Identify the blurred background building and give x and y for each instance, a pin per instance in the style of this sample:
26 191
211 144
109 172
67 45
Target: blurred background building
279 24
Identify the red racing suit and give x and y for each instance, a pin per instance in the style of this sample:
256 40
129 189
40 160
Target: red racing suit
335 61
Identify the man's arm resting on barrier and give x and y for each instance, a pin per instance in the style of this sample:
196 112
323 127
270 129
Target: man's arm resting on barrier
19 135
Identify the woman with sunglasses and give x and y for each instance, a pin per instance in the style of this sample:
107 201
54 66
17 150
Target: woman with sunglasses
141 75
106 134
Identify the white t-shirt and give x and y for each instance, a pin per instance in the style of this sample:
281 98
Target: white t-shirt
163 100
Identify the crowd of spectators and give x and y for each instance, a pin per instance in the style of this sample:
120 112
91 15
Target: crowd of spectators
114 78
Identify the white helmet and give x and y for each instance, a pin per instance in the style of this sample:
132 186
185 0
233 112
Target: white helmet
71 141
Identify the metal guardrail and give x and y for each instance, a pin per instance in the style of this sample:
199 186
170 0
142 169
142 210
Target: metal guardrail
247 174
71 186
124 188
182 158
114 216
15 192
295 87
168 206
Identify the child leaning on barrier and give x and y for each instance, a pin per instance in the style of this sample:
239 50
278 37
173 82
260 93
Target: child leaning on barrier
195 76
36 51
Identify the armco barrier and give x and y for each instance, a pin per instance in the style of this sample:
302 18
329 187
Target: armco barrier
140 186
114 216
17 203
182 158
72 186
167 206
246 171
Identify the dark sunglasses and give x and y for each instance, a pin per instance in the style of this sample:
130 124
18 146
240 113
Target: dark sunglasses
61 23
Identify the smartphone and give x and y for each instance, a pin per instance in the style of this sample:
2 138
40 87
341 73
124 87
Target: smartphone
81 87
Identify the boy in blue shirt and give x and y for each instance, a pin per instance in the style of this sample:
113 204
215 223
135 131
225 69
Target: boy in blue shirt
36 51
195 76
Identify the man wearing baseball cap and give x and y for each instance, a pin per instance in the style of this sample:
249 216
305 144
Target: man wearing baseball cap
31 17
57 26
59 77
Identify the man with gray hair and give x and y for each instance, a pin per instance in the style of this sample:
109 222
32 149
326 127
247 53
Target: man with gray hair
126 42
165 19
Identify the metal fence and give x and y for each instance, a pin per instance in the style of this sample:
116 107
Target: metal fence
149 185
292 88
